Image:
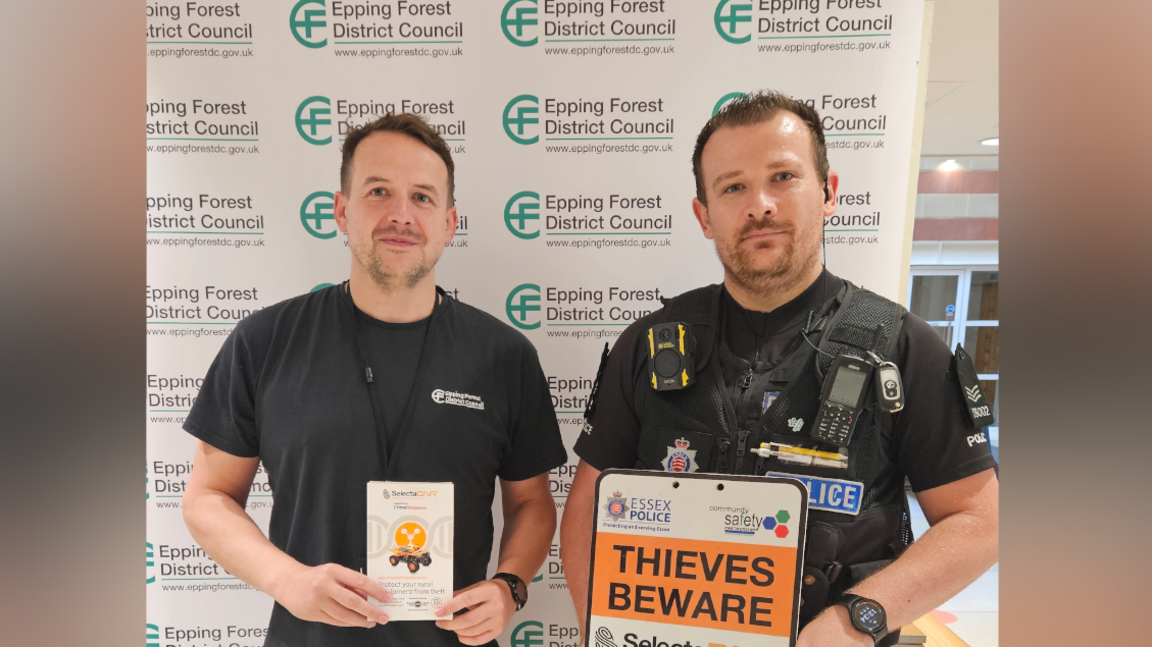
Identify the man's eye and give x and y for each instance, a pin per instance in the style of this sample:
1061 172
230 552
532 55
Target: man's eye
420 197
377 191
784 176
734 188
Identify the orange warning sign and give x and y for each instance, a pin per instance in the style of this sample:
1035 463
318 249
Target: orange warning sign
709 584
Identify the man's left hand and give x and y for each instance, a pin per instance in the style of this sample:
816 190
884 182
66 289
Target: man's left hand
832 628
490 607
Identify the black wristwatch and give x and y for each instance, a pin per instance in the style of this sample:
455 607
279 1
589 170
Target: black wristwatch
519 588
868 616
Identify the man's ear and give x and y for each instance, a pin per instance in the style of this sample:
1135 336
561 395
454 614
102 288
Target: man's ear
338 211
450 225
701 211
831 191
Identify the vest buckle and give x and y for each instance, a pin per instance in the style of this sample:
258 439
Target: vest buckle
833 571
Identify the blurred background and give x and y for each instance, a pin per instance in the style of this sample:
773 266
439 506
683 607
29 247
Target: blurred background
954 272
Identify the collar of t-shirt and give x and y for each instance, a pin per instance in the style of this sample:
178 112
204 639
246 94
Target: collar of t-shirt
746 331
364 317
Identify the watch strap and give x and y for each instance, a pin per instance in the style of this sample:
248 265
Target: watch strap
514 583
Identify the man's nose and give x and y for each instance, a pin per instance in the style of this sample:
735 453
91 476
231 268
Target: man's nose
764 205
403 214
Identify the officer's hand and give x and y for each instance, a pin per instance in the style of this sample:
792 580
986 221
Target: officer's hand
832 628
490 607
332 594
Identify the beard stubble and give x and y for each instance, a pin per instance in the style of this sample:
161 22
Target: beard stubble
796 258
369 257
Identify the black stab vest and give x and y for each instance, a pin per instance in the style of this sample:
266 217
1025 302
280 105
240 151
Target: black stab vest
841 549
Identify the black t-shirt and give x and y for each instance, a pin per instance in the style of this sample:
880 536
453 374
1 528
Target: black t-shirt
930 439
288 386
393 351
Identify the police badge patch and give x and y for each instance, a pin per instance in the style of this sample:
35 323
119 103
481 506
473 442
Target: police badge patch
616 506
680 458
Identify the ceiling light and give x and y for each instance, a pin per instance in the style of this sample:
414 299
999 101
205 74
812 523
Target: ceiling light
948 165
991 141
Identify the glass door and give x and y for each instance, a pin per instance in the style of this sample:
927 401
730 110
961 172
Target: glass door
934 295
963 306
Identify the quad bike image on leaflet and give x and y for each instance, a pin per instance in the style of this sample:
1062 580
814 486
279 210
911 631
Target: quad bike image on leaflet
414 557
414 554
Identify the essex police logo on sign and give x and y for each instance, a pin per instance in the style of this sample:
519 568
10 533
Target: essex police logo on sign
616 507
833 495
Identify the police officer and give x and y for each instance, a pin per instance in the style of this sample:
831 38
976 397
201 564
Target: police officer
381 378
766 339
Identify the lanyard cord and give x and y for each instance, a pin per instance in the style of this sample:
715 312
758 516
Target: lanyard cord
377 411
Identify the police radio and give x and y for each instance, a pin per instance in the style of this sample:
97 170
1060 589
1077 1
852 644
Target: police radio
842 401
670 364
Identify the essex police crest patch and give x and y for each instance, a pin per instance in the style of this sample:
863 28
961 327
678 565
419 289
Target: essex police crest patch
616 506
680 458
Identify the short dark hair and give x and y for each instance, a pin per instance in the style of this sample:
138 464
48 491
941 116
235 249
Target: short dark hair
756 108
406 124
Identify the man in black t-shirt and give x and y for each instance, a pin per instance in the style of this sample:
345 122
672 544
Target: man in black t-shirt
381 378
763 191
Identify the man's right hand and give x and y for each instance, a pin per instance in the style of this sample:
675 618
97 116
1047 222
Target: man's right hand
332 594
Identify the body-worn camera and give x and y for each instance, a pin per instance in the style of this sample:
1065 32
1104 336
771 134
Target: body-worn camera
670 364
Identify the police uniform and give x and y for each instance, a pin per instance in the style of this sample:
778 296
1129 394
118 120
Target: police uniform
290 386
759 381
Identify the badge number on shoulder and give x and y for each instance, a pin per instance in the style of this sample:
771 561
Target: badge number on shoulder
833 495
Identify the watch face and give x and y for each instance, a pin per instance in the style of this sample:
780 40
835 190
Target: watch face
869 615
521 590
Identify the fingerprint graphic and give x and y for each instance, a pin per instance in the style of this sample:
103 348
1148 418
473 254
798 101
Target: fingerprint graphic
604 638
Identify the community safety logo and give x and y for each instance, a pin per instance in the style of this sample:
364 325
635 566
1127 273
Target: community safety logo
515 19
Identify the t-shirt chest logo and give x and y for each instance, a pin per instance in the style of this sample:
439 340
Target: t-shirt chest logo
680 458
440 396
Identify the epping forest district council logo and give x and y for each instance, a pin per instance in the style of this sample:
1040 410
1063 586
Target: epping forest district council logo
520 113
523 300
522 209
517 15
729 14
307 23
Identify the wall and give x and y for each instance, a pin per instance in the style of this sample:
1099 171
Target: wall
247 102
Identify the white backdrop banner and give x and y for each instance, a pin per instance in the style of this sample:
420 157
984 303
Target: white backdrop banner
572 126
